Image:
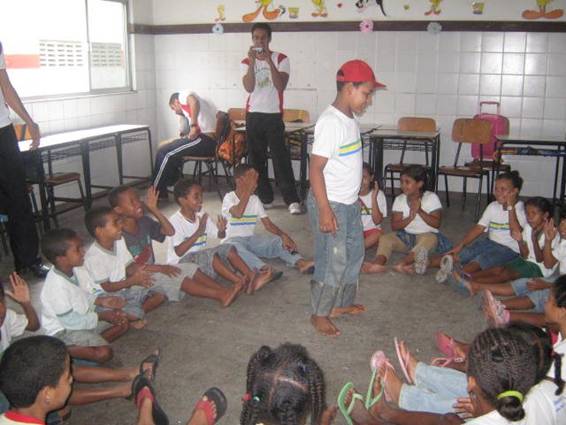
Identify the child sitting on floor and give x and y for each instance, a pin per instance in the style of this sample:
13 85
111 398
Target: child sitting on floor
242 209
67 310
415 221
501 218
113 269
189 243
530 264
374 209
139 231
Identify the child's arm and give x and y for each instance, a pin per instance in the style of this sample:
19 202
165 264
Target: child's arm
136 275
550 233
151 198
20 294
523 247
327 219
474 233
376 214
514 225
184 246
271 227
536 247
433 219
247 191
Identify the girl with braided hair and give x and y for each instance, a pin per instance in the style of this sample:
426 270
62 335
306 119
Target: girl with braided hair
555 314
284 386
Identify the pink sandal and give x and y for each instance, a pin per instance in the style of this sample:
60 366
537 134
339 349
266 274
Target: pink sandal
378 362
402 361
446 346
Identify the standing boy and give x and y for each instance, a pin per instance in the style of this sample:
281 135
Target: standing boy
335 177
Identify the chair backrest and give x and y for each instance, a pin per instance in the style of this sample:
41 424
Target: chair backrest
22 132
477 131
296 115
458 129
416 124
237 114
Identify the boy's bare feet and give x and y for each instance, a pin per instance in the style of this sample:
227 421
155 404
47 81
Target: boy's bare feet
353 309
199 416
138 324
262 278
381 409
324 326
232 294
305 266
369 267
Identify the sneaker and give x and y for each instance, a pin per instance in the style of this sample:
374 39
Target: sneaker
268 205
446 266
295 208
421 261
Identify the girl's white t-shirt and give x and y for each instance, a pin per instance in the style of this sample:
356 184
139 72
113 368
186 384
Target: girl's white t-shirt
495 219
559 252
527 237
429 202
366 207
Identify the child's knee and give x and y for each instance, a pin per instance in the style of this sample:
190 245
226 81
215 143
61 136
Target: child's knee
103 353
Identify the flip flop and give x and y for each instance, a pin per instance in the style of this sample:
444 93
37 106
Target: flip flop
402 361
216 396
378 361
143 385
446 346
152 358
370 400
347 410
446 266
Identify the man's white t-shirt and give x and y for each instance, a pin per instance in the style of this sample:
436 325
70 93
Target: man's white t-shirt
527 237
337 138
63 295
265 98
184 229
429 202
559 252
14 325
244 226
206 115
366 205
495 219
104 265
4 112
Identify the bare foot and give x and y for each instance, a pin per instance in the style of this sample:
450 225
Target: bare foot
359 414
260 279
199 415
353 309
305 266
138 324
324 326
398 267
392 384
369 267
232 294
409 269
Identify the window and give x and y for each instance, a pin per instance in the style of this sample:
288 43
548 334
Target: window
58 47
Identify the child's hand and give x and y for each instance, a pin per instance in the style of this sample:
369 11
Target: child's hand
327 221
456 250
20 289
142 278
151 198
464 407
170 271
118 317
114 303
550 230
328 416
537 284
221 223
202 224
288 243
512 199
517 235
375 191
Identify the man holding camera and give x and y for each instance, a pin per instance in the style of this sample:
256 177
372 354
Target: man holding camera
266 74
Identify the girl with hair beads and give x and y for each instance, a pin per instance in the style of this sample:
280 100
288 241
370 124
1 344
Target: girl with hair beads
284 386
415 221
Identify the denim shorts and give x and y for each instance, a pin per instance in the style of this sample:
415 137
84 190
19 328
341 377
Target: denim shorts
487 254
538 298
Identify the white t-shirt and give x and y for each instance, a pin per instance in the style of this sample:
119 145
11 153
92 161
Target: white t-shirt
62 295
367 220
265 97
429 202
104 265
527 237
337 137
4 112
206 115
184 229
496 221
559 252
14 325
244 226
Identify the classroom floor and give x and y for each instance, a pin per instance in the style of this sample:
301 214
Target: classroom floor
203 345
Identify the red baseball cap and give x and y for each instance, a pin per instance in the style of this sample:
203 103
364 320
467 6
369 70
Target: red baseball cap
357 71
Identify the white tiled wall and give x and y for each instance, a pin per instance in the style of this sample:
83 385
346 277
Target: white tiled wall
443 76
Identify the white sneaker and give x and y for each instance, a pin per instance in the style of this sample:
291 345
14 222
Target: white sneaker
268 206
421 261
446 266
295 208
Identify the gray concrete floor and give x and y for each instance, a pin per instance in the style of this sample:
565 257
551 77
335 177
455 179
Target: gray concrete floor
203 345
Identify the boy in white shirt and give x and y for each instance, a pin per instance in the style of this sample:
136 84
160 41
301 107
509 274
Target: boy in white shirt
242 209
335 176
113 269
68 311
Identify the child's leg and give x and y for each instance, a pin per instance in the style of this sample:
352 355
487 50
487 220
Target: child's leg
82 395
203 286
253 279
224 271
271 246
114 332
246 252
86 344
518 303
154 300
104 374
499 274
371 238
96 354
238 263
500 289
387 244
427 241
535 319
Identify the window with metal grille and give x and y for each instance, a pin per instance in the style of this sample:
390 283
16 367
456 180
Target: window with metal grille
106 54
61 53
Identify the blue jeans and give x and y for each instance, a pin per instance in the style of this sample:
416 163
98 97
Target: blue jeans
487 254
337 258
266 246
538 298
436 389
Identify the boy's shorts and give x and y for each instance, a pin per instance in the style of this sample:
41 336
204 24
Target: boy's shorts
538 298
84 337
134 297
487 253
524 268
171 286
204 258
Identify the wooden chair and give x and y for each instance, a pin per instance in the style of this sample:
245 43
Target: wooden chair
469 131
415 124
237 114
296 115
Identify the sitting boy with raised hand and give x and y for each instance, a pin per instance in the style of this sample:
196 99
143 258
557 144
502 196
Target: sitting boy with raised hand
189 243
242 209
113 269
68 310
139 231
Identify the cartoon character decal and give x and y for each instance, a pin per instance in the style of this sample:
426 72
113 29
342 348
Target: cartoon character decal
264 5
362 5
542 11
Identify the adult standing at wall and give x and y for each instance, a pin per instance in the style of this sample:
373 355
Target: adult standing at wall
14 200
266 74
